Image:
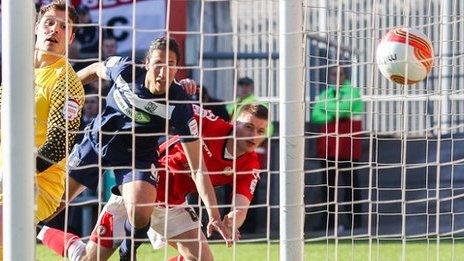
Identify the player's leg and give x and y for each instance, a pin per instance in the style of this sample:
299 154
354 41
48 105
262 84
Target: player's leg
193 246
138 190
104 239
183 231
109 230
63 244
82 172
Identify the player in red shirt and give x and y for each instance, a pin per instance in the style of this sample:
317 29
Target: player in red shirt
172 218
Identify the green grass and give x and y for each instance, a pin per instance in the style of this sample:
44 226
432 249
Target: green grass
347 250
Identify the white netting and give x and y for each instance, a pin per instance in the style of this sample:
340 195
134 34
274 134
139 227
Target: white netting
406 183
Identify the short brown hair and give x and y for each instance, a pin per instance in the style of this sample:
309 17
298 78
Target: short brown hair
258 110
161 44
61 6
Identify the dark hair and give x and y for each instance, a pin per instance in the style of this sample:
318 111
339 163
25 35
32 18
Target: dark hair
245 81
161 44
60 5
258 110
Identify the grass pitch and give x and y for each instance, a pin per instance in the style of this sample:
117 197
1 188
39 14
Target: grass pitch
346 250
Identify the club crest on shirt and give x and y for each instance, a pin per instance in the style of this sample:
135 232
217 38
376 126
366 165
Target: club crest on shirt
71 109
228 171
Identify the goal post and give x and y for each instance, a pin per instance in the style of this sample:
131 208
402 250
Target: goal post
17 123
291 131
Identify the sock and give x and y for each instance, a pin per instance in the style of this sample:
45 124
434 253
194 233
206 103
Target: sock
177 258
126 245
76 250
56 240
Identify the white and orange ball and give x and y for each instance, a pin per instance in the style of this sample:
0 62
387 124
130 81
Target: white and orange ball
405 56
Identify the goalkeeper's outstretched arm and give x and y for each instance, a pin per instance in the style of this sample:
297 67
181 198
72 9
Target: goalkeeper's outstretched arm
92 73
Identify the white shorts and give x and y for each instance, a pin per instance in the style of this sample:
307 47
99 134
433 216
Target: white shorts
109 231
181 218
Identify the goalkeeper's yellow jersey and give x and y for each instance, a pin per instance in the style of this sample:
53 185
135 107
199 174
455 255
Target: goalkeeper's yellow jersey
59 98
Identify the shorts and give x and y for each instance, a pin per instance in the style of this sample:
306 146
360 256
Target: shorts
181 218
109 231
49 190
83 167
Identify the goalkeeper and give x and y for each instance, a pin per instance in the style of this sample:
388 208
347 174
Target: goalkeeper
59 97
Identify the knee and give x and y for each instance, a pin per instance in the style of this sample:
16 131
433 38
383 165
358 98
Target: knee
140 217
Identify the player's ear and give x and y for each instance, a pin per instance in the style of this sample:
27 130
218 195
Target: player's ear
147 61
71 38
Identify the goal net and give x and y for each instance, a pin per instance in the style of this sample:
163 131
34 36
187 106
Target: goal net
382 183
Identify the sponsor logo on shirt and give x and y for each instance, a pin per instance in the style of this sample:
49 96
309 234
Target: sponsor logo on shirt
71 109
145 105
139 116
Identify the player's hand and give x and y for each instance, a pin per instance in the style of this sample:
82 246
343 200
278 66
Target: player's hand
228 222
217 225
190 86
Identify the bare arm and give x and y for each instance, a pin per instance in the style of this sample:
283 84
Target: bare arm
240 211
202 181
92 73
205 190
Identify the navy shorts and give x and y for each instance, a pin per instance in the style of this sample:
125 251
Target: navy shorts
83 167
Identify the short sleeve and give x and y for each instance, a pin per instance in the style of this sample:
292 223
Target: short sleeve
115 66
246 184
248 180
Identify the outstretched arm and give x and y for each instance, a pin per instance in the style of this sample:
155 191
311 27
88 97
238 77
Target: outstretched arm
205 188
92 73
239 211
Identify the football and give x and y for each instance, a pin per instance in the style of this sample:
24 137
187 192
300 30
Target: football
405 56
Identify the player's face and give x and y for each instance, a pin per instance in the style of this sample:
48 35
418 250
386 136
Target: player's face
251 132
51 32
159 74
